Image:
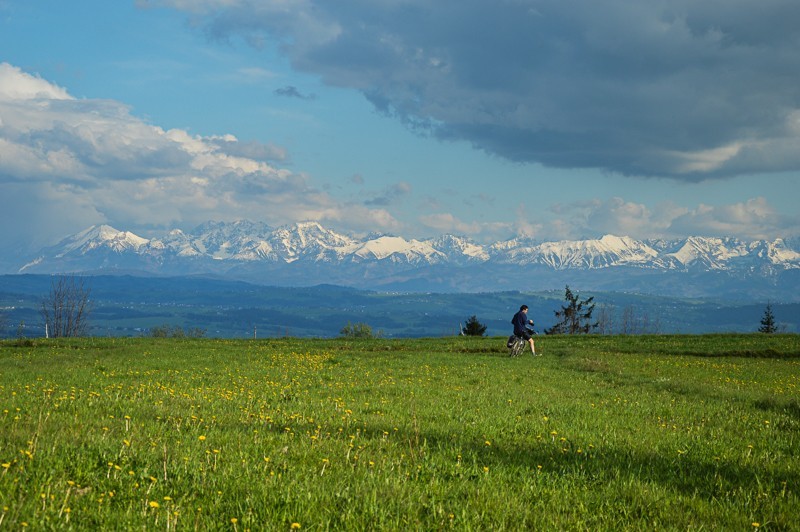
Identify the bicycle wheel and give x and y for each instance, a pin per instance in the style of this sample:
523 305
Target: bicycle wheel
519 345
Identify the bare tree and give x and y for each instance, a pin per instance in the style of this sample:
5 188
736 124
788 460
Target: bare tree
66 308
627 326
605 321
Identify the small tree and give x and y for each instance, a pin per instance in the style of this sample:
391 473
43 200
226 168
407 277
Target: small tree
575 317
768 325
473 327
66 308
165 331
356 330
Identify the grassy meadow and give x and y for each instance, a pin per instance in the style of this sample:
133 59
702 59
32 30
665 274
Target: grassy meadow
600 433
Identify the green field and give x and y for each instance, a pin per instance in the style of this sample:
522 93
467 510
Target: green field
600 433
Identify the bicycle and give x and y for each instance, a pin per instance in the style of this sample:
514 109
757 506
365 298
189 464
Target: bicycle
516 344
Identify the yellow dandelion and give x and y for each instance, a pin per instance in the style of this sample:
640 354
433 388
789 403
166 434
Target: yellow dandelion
154 504
201 438
488 443
234 520
295 526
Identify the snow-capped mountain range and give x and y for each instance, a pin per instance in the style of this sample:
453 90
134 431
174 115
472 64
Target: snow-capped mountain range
308 253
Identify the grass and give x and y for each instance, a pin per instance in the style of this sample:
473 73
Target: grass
614 433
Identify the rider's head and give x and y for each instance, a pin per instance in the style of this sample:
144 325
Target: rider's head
523 307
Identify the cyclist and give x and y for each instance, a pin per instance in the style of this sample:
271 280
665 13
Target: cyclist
521 321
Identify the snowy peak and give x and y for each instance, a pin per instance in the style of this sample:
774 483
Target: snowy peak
220 247
607 251
101 237
395 248
459 249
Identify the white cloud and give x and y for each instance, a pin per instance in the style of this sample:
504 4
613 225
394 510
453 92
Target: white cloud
754 218
447 223
17 85
101 164
751 219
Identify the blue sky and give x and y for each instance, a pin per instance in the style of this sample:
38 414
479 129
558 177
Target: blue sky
488 119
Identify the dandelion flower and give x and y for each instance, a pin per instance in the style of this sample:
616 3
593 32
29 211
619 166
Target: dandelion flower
295 526
201 438
153 504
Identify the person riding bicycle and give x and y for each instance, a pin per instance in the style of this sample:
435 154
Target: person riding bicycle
521 321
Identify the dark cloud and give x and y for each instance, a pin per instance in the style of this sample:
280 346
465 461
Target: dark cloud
684 89
293 92
390 195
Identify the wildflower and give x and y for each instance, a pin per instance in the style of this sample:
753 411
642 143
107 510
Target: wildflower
488 443
201 438
153 504
234 520
295 526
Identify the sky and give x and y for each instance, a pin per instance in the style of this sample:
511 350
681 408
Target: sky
550 119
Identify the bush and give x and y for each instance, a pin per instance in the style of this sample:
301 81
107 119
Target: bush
356 330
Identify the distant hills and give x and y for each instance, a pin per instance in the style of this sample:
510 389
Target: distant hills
124 305
308 254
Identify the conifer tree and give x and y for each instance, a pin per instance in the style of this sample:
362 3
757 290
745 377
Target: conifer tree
768 321
575 317
473 327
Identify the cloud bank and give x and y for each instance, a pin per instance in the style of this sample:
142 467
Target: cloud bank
66 163
673 88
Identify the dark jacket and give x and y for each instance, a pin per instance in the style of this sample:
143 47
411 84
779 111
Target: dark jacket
520 321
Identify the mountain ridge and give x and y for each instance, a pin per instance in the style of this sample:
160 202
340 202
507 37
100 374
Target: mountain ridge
308 253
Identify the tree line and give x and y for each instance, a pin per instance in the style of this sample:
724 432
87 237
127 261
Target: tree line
67 307
577 316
